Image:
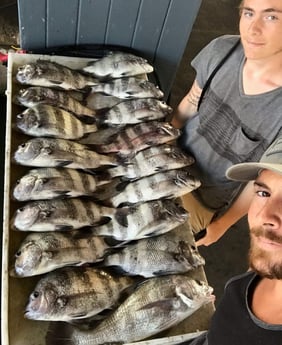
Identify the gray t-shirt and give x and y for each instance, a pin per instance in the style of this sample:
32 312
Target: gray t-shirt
230 127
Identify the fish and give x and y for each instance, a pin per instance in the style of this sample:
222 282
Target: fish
60 214
51 183
150 161
54 152
169 184
156 305
52 74
135 111
43 252
99 101
34 95
143 220
75 293
129 88
134 138
117 65
154 256
44 120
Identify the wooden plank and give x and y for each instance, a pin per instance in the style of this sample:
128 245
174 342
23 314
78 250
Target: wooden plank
178 26
121 22
32 23
61 22
92 21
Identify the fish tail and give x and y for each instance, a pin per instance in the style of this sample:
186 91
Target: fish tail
59 333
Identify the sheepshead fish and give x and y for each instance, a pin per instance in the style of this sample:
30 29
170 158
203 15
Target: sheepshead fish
118 65
74 293
135 111
65 214
98 101
134 138
168 184
160 255
128 88
35 95
42 252
143 220
52 74
152 160
51 183
50 152
45 120
156 305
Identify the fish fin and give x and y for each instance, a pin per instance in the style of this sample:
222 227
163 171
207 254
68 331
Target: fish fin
185 299
63 227
165 304
62 163
89 120
59 333
121 216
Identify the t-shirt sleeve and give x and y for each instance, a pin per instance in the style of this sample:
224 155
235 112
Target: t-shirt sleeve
210 56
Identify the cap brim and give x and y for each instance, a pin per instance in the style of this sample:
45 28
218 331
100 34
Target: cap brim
250 171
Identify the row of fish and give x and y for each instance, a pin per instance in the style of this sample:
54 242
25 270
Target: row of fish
100 199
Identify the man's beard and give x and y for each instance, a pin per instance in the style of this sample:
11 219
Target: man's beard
266 263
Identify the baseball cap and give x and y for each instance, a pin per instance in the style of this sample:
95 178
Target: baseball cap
271 159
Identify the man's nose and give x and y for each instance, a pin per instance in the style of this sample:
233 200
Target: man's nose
271 214
255 25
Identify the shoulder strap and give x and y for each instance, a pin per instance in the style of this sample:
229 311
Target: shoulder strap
207 84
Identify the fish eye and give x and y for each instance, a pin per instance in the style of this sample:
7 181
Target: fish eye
18 253
18 181
21 209
20 116
199 282
193 247
23 145
35 294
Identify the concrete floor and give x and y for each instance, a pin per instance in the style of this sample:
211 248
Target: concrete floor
216 17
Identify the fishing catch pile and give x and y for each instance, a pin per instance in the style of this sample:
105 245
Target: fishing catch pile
98 203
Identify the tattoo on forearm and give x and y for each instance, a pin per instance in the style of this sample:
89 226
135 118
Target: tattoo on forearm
193 98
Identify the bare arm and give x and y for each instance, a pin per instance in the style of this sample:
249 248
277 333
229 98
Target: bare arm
187 107
217 228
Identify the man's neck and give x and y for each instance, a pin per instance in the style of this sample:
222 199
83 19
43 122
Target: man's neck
266 303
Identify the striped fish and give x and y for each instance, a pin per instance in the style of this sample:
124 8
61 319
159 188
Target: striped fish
143 220
72 294
168 184
135 111
134 138
128 88
50 152
50 183
65 214
43 95
52 74
42 252
45 120
161 255
152 160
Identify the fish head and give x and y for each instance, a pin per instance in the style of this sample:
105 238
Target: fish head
194 293
151 88
27 258
29 97
168 130
28 119
26 216
26 73
165 108
30 150
190 255
178 154
42 301
184 178
24 187
173 209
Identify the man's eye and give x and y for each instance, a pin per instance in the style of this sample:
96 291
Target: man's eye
271 17
262 194
247 14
